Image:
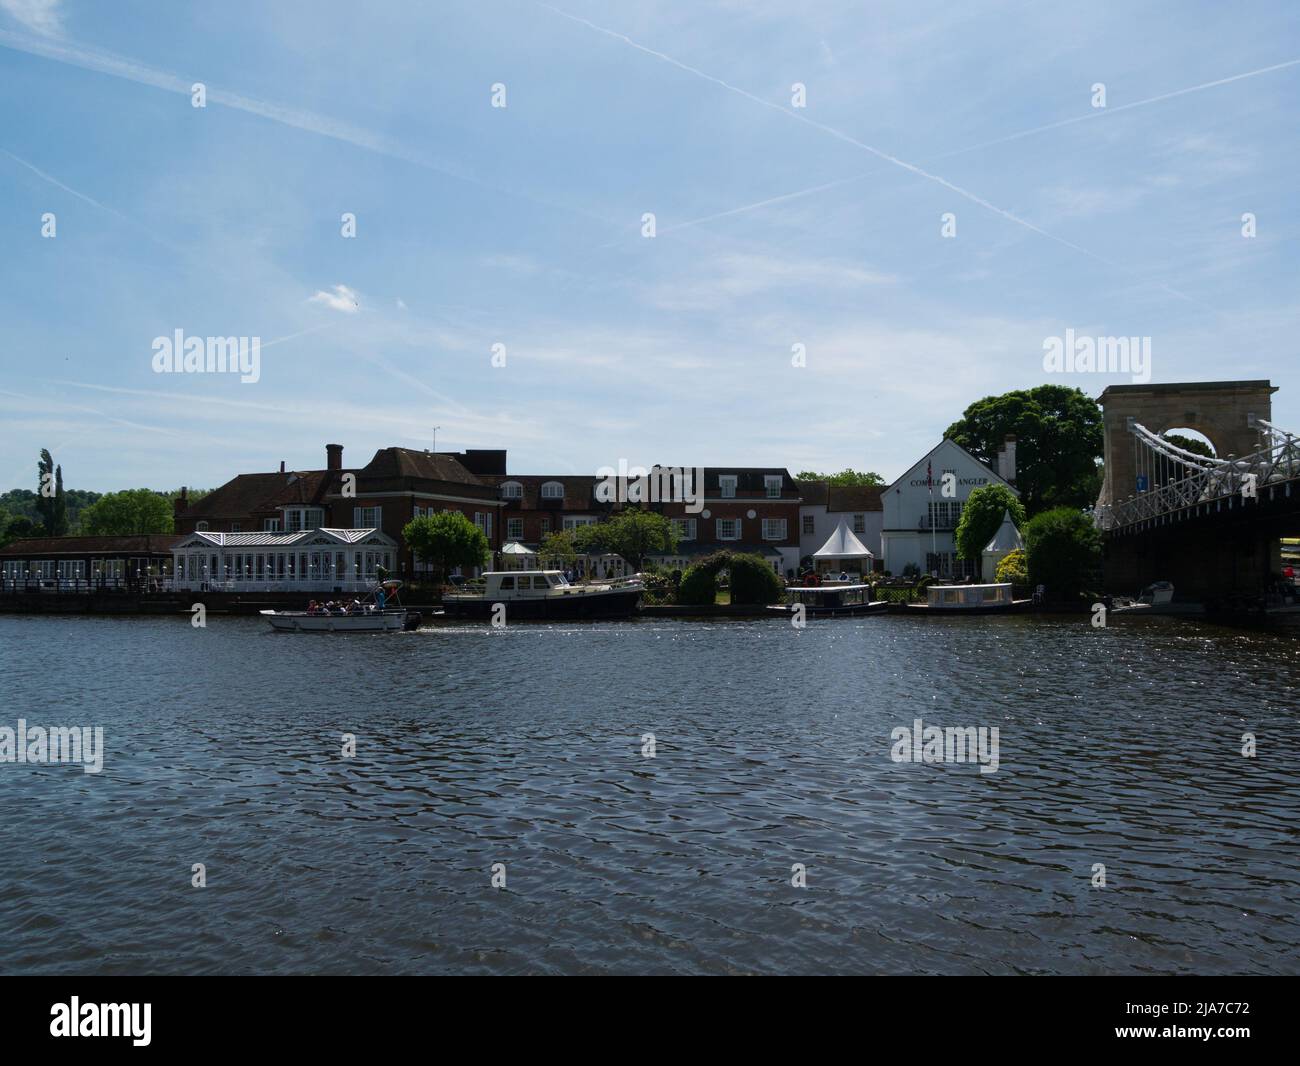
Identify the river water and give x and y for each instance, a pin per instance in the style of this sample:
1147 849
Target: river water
526 747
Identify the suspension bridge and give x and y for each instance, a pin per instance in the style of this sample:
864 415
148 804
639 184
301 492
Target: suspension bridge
1210 524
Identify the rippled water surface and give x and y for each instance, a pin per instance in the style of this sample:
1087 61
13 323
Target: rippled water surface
523 747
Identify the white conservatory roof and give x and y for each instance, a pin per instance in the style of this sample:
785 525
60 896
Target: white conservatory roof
843 545
295 539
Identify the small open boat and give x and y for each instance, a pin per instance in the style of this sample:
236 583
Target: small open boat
380 612
830 600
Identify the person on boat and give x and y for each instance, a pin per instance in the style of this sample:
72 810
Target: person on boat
379 597
313 608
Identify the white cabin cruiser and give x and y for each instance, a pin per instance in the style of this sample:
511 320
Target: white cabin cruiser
542 594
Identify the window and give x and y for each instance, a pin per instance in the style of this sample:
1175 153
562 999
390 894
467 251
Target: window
200 527
809 524
236 527
367 517
772 482
546 524
572 522
270 525
484 522
859 523
539 581
685 528
728 529
514 529
508 583
726 485
774 529
512 490
552 490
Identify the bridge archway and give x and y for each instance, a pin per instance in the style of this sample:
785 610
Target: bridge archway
1221 411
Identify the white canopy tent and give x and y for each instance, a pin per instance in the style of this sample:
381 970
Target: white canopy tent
516 556
841 547
1006 540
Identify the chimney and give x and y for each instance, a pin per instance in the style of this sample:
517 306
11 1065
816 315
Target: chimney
282 466
334 457
1007 459
182 502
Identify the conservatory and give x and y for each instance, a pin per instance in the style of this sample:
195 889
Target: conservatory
310 560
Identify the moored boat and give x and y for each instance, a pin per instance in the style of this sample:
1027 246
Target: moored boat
534 594
960 600
829 600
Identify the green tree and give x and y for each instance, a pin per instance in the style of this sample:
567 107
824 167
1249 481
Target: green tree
1059 440
699 586
446 541
847 476
51 503
1014 568
557 547
1064 550
632 534
17 527
981 516
127 512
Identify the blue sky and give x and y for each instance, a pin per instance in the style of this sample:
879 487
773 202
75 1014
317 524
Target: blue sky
522 226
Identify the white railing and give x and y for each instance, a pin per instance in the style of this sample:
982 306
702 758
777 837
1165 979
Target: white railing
1278 462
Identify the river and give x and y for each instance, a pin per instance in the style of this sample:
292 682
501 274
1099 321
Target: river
765 828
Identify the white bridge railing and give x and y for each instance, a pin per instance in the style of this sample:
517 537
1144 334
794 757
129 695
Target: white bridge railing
1213 479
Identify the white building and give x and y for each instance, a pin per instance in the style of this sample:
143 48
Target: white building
310 560
824 506
921 509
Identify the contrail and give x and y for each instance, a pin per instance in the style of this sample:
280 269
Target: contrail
66 188
1122 107
840 135
298 118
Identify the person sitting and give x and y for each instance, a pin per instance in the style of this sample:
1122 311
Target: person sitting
313 608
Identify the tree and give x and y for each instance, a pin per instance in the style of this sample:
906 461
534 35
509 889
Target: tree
127 512
699 586
1059 441
632 534
1178 471
446 541
51 503
558 547
18 527
847 476
1064 550
981 516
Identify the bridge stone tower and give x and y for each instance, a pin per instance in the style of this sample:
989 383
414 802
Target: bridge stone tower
1221 410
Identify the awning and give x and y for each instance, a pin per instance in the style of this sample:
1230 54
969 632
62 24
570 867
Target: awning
1007 538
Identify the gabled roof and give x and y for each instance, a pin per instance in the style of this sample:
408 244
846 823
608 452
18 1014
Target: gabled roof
842 544
920 465
247 494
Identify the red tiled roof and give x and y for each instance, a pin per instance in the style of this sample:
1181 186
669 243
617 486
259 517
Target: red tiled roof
854 498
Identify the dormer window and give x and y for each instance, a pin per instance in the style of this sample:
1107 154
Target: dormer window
512 490
200 527
773 484
727 486
552 490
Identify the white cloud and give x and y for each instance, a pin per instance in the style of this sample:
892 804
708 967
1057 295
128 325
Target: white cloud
340 298
40 15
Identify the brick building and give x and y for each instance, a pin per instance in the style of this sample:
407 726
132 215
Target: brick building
398 484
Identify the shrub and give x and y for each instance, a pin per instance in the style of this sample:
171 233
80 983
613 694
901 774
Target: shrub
1064 548
1014 568
753 580
699 586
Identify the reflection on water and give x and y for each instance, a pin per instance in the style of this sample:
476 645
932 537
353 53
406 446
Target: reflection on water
524 747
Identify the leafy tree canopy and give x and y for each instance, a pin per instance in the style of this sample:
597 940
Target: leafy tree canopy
982 515
127 512
632 534
1059 441
446 541
847 476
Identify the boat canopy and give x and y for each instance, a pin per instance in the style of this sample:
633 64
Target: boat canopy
843 545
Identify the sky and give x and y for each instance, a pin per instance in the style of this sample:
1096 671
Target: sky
834 273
